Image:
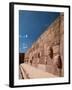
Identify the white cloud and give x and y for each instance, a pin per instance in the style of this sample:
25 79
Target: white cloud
24 46
23 36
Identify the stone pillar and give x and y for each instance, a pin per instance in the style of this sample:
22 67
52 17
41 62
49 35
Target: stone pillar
62 40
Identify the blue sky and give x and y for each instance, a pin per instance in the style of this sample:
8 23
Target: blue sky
31 25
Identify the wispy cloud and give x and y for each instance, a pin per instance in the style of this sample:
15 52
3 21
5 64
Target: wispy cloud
23 36
24 46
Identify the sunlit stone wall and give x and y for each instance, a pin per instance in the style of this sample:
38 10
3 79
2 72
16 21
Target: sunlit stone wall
47 53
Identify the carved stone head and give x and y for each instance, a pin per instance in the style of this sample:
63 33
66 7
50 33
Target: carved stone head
50 52
58 61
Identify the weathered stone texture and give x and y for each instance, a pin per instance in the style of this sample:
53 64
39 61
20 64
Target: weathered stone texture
50 44
62 41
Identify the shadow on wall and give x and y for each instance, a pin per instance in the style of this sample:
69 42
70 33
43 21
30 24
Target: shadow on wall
21 57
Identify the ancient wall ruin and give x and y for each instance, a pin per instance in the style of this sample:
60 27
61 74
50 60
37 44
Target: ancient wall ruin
47 53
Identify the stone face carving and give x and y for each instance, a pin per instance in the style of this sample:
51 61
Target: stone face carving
49 56
31 62
57 64
48 49
50 52
57 61
38 55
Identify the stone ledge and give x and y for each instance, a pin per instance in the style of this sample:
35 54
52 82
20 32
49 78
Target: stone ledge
33 72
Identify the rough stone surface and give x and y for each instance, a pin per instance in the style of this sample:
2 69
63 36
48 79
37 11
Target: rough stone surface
29 72
47 47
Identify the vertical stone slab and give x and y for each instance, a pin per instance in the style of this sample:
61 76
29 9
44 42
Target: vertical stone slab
62 40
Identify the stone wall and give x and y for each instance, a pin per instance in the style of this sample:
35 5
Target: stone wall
48 50
62 41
